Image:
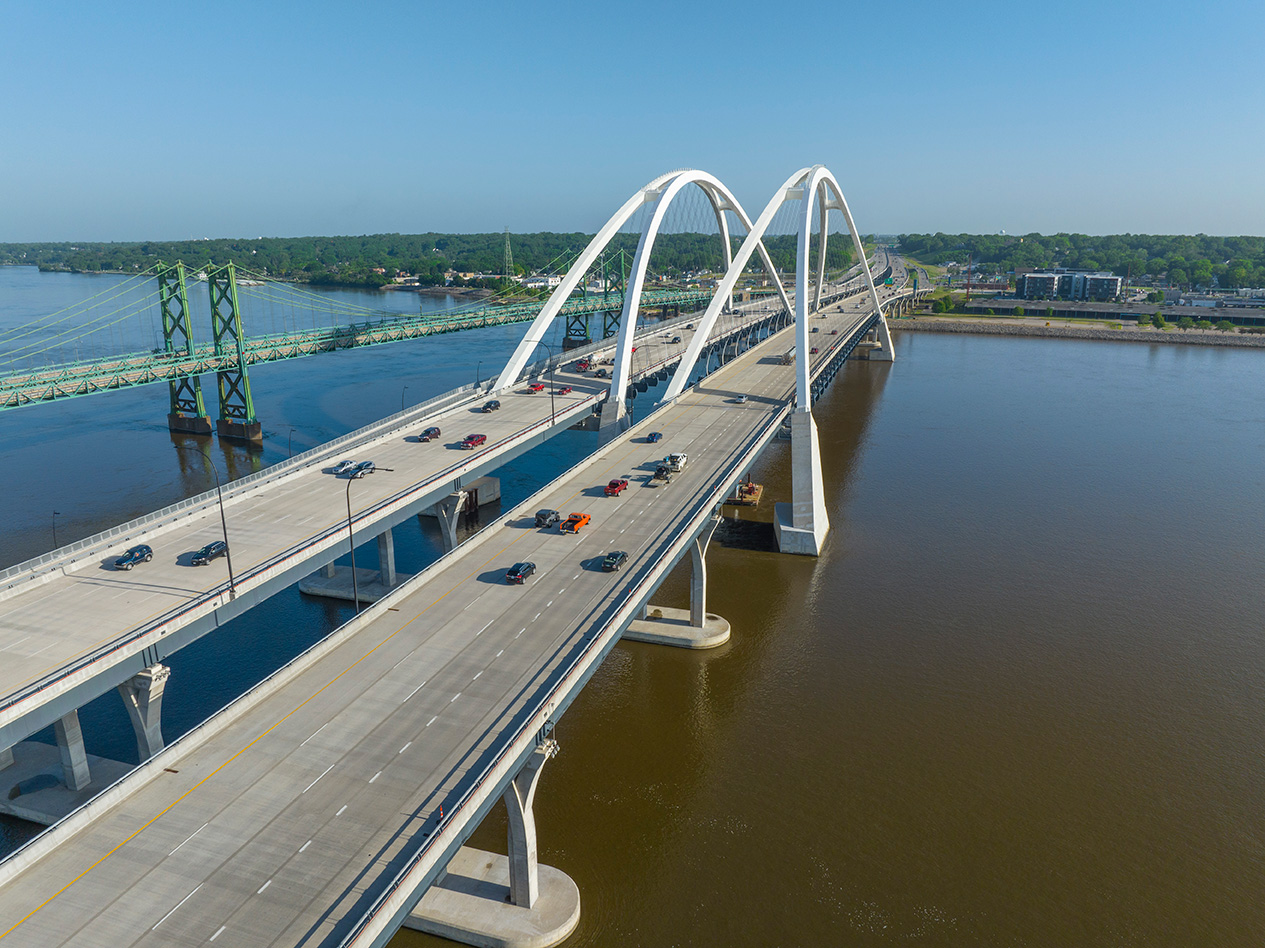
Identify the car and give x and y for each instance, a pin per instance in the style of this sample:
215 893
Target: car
663 473
581 365
491 405
654 437
209 552
741 399
342 467
519 572
361 469
547 517
535 387
813 351
676 461
600 373
689 325
613 561
470 442
565 390
574 522
816 329
676 340
834 332
430 434
614 488
137 554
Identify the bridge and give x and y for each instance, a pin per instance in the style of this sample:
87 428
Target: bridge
320 807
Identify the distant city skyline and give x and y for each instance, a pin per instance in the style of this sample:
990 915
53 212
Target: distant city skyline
153 122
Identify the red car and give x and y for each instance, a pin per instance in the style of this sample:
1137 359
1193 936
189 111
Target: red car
614 487
813 351
834 332
470 442
536 387
565 390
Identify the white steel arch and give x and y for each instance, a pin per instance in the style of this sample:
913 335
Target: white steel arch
662 190
808 185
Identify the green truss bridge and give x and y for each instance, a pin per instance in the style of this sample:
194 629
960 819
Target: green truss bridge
181 361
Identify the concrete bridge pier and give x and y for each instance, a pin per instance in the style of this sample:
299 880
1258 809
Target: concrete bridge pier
334 582
74 759
685 628
143 697
449 512
506 901
801 526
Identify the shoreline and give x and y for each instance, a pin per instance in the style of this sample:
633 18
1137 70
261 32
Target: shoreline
996 327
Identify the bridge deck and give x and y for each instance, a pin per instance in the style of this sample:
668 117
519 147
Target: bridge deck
286 825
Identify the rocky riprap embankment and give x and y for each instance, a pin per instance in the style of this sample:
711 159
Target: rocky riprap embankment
1190 337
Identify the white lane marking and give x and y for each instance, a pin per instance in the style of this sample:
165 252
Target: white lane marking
413 692
621 531
305 845
317 731
521 631
432 720
323 773
482 630
576 576
375 776
476 677
219 933
471 602
534 618
562 590
500 653
177 905
549 603
260 890
454 697
299 523
341 809
191 835
405 747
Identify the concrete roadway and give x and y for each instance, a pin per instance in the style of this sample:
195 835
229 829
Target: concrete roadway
281 827
55 624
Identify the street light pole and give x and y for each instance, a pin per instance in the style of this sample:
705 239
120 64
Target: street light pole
351 542
477 380
549 349
290 442
402 391
219 493
55 513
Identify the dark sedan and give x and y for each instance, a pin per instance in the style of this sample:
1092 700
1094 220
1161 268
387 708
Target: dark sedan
137 554
519 572
209 552
614 561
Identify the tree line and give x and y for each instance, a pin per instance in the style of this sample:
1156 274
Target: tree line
353 261
1189 262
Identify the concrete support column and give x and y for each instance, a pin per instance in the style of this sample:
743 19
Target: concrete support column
884 353
614 413
74 759
698 574
328 570
6 758
449 512
142 695
518 797
801 526
386 559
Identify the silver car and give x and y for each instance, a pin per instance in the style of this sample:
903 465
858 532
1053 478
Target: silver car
363 468
342 467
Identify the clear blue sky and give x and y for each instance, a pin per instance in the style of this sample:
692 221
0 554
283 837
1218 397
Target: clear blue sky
171 120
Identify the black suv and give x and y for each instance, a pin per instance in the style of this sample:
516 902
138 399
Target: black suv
493 405
614 561
210 552
547 518
430 434
519 572
137 554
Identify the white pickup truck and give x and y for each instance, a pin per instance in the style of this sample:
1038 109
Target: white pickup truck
675 462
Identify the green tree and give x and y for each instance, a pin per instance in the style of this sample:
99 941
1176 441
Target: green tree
1144 319
1203 324
1019 311
1049 312
989 312
1158 320
1225 326
1185 323
1178 277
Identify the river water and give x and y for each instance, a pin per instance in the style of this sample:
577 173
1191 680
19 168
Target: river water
1017 702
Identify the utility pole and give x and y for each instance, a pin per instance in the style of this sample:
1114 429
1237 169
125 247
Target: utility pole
969 258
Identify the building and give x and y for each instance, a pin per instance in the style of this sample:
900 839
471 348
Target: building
1066 284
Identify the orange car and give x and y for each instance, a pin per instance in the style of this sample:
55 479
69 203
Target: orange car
574 522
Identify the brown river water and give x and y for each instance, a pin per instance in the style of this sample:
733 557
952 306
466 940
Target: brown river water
1018 702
